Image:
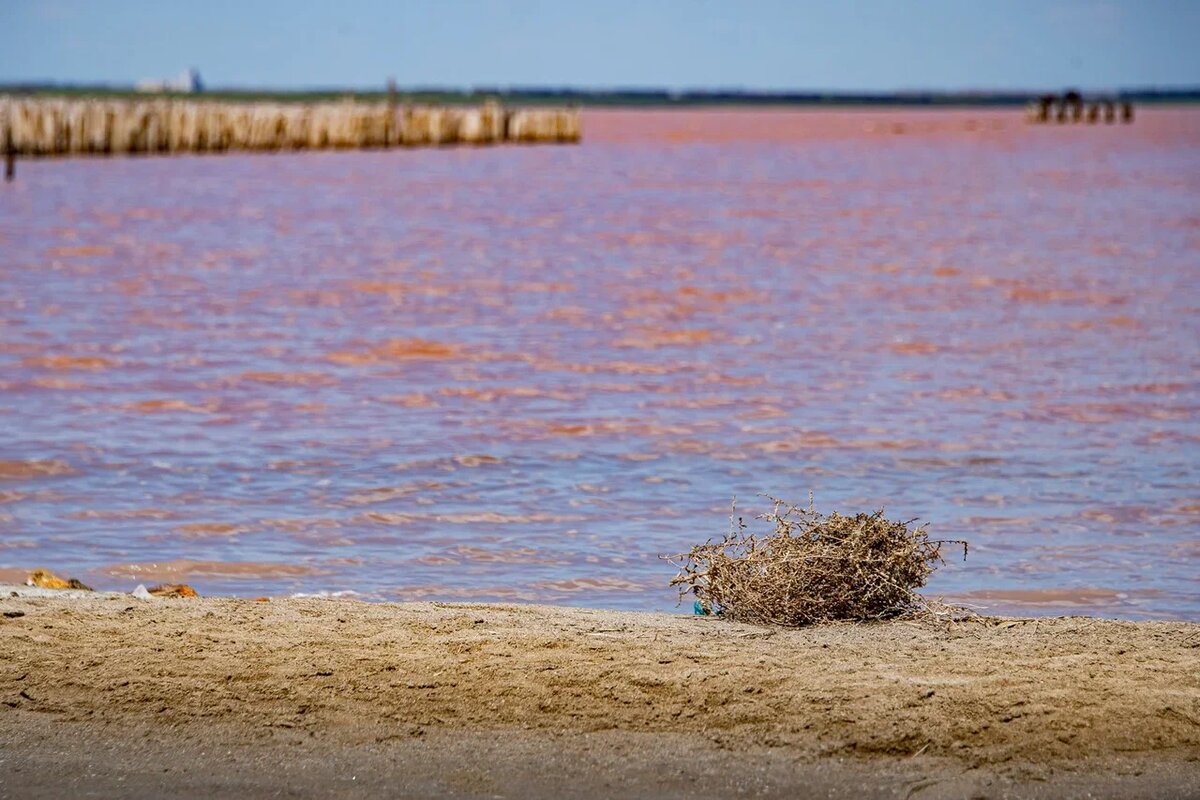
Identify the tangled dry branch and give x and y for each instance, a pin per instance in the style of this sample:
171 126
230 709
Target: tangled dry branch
811 568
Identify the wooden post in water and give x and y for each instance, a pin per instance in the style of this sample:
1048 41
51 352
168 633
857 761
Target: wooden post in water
10 153
1044 106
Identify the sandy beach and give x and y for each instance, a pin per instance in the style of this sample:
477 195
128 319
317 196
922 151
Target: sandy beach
107 695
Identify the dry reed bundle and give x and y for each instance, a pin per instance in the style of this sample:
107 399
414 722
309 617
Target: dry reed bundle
811 568
428 125
543 125
482 125
569 124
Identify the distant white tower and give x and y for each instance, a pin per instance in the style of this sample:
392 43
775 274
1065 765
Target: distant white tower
188 82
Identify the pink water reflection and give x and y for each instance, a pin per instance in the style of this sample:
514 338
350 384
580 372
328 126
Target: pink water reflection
526 372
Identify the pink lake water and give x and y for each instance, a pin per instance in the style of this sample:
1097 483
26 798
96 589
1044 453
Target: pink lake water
523 373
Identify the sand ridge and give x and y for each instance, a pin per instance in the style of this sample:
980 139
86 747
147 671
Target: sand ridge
983 691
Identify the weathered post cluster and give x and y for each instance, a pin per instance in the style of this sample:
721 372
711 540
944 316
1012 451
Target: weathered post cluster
1072 107
53 127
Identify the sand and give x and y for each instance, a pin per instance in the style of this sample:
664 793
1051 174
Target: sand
111 696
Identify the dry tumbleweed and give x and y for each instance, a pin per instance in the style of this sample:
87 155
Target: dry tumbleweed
811 568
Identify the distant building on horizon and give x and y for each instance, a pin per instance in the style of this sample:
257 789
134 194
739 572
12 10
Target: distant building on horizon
187 82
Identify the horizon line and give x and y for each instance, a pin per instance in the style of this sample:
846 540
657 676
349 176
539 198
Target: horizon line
648 90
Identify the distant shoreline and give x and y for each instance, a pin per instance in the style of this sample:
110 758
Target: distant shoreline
621 98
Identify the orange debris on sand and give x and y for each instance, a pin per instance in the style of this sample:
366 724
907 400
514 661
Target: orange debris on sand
173 590
45 579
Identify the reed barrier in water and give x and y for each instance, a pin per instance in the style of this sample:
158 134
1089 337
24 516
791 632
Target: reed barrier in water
40 127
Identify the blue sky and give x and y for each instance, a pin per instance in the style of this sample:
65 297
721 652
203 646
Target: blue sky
756 44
